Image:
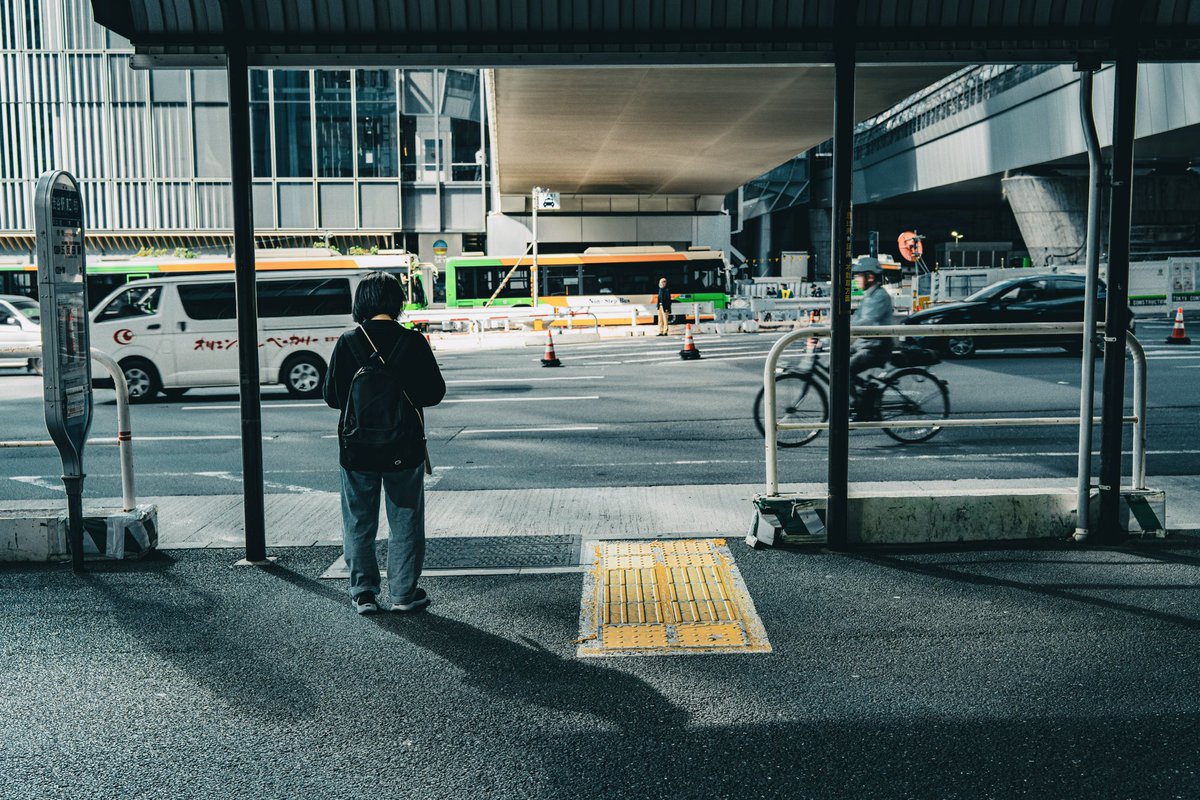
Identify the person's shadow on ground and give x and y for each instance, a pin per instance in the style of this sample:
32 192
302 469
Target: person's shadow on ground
502 667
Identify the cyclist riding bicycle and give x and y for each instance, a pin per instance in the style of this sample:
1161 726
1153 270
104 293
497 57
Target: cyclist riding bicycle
875 308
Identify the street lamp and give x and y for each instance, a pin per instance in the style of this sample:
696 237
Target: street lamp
957 236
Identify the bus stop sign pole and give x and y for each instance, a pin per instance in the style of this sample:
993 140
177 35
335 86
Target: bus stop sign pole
66 349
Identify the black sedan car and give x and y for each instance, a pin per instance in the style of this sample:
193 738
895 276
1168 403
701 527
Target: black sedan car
1037 298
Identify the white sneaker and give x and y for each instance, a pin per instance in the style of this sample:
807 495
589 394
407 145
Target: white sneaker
420 600
365 603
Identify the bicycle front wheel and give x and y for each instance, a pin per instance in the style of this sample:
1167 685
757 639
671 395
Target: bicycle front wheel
798 398
913 394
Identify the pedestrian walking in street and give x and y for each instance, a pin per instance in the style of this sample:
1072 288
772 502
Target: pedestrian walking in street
664 307
380 376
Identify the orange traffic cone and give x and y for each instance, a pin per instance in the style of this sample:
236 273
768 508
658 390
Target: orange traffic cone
1177 334
550 360
689 351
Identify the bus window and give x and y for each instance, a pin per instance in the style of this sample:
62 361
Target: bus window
416 291
561 281
141 301
478 283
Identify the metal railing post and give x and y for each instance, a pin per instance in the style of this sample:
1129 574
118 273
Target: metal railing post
1087 378
772 426
124 427
1138 477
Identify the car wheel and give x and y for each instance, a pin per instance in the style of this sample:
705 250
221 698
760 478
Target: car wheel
303 375
34 366
142 379
960 346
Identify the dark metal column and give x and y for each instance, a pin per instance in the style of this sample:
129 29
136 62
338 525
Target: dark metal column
247 304
1117 303
840 255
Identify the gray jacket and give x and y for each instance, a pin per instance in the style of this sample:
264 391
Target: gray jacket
875 308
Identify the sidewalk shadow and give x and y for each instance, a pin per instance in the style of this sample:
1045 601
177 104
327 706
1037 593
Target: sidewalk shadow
191 629
501 667
1047 590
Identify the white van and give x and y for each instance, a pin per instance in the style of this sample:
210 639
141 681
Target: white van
174 334
19 327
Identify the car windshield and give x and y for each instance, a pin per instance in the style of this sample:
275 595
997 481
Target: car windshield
989 291
28 308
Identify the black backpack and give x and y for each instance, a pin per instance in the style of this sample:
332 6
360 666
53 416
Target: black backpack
378 414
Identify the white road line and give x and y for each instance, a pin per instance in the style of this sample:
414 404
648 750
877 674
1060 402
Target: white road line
40 482
226 476
110 442
532 430
265 406
522 399
756 356
528 380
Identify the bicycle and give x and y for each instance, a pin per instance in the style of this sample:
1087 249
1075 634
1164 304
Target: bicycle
903 392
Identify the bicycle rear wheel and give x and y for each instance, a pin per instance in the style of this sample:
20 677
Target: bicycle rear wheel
913 394
798 398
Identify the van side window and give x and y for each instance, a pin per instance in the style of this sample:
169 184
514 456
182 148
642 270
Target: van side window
208 300
304 298
137 301
276 298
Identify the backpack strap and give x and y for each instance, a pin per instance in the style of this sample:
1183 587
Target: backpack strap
359 349
383 362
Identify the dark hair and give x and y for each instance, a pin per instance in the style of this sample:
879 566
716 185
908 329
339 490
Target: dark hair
378 293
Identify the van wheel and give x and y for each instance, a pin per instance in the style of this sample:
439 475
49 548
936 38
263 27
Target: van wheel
303 375
142 379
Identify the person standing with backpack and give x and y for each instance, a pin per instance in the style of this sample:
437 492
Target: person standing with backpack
380 376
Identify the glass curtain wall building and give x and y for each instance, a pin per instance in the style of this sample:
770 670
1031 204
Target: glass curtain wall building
364 156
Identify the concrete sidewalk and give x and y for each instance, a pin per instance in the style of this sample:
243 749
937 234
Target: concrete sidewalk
313 518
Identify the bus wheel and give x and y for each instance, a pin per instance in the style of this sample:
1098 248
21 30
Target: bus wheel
142 379
303 375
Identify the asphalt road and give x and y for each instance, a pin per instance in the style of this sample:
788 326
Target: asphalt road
618 413
1031 673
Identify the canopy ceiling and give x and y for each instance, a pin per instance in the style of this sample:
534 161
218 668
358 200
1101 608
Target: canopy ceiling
764 95
671 130
644 32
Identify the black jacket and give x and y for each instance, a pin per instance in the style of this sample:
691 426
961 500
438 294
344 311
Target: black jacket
664 299
414 365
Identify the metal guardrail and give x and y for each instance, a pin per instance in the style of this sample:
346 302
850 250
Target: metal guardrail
772 425
124 429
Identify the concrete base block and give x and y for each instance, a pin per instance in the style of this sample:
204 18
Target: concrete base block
42 534
953 514
960 515
33 535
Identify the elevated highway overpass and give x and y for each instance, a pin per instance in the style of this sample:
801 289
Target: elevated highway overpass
1010 135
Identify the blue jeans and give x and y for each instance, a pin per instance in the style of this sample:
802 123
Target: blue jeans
404 501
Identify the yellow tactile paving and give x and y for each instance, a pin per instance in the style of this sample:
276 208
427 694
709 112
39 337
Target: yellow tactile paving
669 596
